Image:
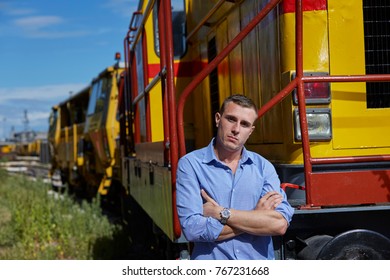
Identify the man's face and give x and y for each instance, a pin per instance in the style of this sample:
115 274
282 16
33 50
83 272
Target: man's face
235 126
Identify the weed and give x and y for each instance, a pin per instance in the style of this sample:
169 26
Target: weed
37 223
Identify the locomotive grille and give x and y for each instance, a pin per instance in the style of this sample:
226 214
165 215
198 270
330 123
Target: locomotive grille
377 50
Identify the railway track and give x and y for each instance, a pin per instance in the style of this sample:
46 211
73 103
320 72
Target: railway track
28 166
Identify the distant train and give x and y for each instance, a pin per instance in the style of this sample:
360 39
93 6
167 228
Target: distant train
27 144
6 150
316 70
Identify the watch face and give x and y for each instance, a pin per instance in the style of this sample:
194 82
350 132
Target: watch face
225 213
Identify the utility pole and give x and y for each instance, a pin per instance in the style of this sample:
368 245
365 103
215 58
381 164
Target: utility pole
25 121
4 128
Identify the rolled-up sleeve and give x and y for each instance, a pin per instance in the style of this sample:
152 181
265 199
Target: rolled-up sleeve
195 226
272 183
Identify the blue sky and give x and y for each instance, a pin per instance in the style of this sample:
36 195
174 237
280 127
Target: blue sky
51 48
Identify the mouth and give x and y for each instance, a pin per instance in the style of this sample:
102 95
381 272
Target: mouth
232 138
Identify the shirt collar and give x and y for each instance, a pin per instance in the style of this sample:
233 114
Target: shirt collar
210 156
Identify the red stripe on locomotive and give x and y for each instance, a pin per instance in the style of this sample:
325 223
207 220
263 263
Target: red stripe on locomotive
182 69
288 6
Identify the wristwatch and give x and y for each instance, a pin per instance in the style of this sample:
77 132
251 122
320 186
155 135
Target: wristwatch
225 215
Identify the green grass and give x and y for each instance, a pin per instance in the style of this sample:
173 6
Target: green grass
36 224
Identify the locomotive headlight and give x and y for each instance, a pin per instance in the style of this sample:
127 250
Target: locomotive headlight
318 123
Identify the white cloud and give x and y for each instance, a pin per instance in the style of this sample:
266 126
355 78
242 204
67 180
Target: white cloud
8 9
45 27
27 22
37 22
37 101
48 92
30 23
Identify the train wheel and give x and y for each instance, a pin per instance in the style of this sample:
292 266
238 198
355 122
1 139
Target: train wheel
313 246
357 245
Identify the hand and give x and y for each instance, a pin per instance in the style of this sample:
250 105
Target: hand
269 201
210 208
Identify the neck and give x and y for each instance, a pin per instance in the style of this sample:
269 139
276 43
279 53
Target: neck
229 159
227 156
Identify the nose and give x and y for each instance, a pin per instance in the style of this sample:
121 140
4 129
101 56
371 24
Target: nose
236 128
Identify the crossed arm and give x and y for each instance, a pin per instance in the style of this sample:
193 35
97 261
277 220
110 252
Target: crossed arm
263 220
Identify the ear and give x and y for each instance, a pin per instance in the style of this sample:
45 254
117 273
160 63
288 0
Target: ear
217 118
252 129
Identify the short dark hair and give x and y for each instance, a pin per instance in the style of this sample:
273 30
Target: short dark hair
239 99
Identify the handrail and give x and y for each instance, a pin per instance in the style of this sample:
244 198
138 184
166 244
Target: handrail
150 86
164 89
127 61
207 17
301 98
148 9
345 78
307 158
171 100
355 159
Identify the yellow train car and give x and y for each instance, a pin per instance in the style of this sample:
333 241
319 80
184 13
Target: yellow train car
102 130
66 137
82 135
27 143
317 71
6 149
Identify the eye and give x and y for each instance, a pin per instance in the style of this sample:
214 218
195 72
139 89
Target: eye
231 118
246 124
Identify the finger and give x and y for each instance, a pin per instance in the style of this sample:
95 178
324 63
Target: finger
270 201
207 197
277 202
271 194
275 197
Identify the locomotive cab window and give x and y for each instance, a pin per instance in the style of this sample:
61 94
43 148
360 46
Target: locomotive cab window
53 121
100 92
178 28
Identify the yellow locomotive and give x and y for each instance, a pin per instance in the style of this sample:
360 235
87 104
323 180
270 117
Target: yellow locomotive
317 71
315 68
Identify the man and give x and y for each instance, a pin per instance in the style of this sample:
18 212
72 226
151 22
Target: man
229 199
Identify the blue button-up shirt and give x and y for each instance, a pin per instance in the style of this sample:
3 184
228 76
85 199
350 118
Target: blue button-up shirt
254 177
